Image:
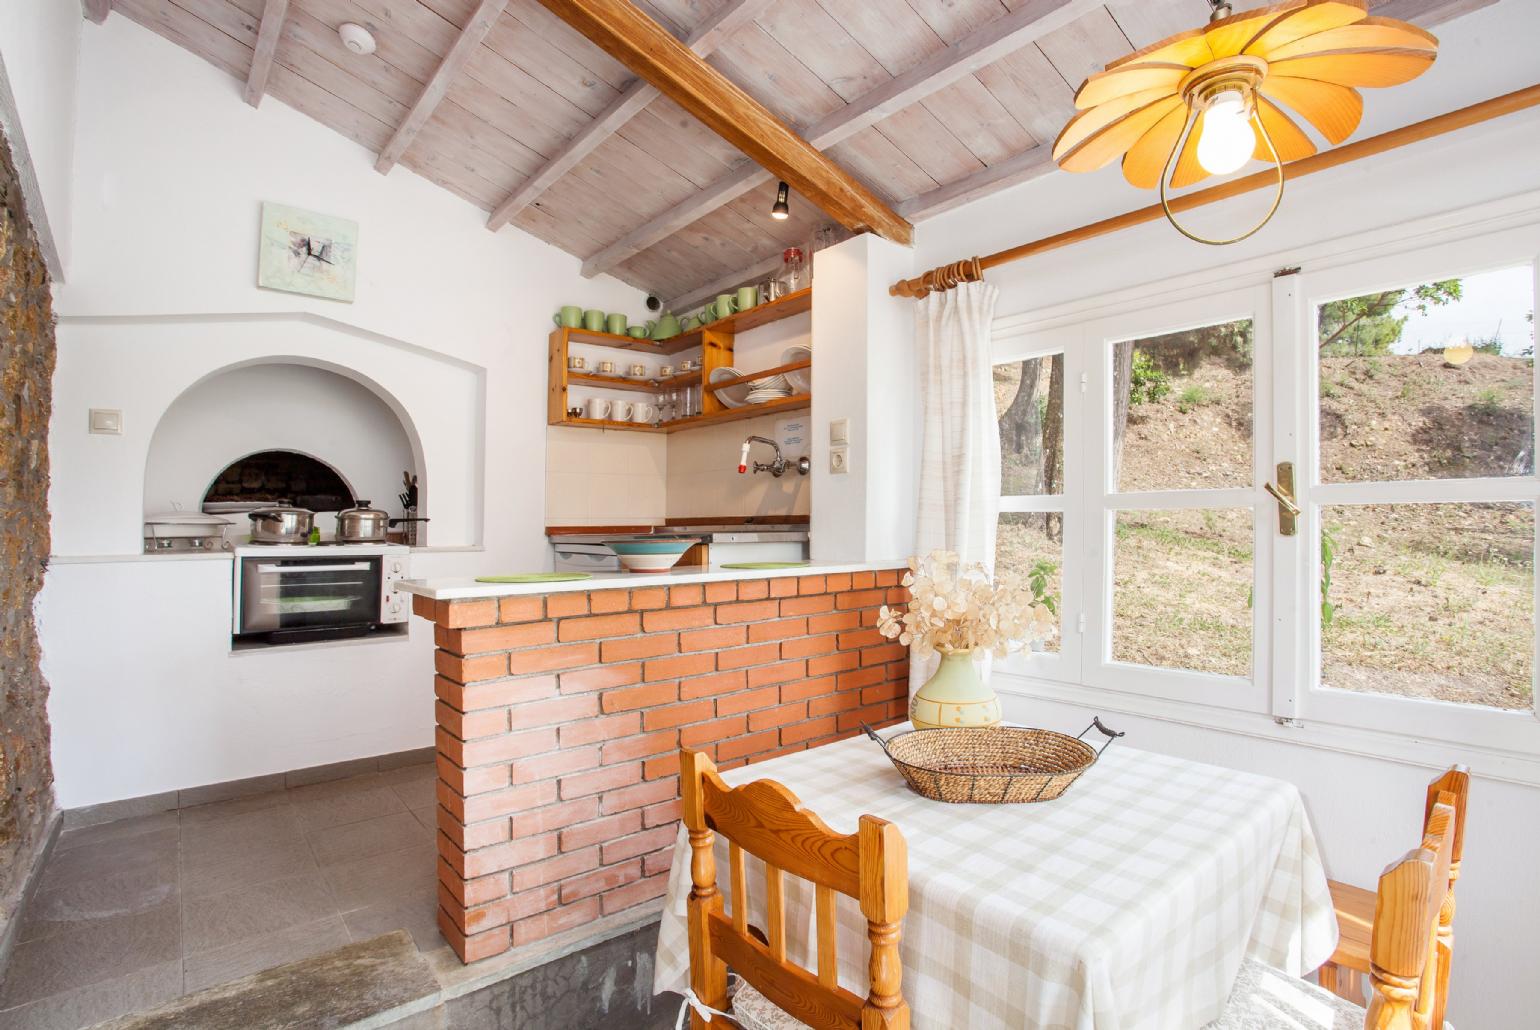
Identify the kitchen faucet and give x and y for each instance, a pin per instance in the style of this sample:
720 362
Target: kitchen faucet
776 468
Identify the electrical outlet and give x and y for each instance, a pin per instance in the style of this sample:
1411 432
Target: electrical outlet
107 421
839 461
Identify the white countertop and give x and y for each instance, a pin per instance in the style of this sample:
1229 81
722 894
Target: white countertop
460 588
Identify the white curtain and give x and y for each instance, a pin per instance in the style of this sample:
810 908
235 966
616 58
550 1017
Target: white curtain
960 438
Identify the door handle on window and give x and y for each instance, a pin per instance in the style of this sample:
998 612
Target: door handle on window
1283 493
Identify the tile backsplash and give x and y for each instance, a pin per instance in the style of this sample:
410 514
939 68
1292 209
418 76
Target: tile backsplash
703 477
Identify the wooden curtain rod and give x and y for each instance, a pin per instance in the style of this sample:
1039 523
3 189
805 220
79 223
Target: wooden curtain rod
972 269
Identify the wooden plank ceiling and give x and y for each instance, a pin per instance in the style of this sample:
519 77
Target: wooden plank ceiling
929 102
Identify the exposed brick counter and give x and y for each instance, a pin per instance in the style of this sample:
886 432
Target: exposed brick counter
560 714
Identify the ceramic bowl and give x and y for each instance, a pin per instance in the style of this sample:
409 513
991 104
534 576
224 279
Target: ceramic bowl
801 380
650 555
732 396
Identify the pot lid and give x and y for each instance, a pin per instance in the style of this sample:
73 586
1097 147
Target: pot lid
278 510
361 507
184 518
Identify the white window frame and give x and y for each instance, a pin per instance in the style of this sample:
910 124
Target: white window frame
1284 688
1511 730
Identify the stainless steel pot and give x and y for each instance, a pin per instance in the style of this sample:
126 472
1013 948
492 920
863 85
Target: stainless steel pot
281 525
362 524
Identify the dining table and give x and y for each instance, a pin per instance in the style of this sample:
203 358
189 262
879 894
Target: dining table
1130 902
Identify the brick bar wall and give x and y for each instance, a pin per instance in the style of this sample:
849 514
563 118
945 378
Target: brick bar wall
560 718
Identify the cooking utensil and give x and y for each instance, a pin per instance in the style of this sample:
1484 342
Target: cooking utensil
281 525
181 531
362 524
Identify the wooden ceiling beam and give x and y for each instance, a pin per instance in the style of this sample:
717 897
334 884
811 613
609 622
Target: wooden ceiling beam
96 10
476 28
644 46
979 49
712 34
266 49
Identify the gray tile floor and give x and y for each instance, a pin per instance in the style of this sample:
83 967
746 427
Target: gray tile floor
133 913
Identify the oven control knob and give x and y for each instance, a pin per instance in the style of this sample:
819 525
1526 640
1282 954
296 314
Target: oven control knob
395 566
395 607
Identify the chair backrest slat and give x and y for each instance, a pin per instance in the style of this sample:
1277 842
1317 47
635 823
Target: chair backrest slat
828 959
766 820
775 911
739 887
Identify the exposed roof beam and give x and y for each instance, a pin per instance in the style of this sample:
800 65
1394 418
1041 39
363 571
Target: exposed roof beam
96 10
476 29
631 101
979 49
1427 13
266 49
645 47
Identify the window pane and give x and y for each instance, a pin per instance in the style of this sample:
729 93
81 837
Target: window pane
1029 402
1181 412
1030 546
1182 589
1430 601
1402 398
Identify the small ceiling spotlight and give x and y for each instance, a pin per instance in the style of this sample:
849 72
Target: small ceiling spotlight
356 38
782 210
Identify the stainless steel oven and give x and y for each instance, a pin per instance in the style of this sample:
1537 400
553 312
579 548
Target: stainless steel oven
293 593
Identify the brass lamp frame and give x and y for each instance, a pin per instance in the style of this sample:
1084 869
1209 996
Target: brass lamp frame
1241 74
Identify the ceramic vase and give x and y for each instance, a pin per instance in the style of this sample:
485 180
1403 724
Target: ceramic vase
954 696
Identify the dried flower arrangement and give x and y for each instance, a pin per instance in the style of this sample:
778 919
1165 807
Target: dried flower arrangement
956 607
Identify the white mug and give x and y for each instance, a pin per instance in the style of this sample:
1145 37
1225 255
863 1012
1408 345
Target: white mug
607 367
687 365
623 411
598 408
644 412
576 363
638 371
665 371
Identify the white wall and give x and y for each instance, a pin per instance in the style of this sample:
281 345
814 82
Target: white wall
289 407
1366 810
170 171
39 52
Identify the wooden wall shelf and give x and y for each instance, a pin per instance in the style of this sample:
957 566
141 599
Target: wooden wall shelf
715 339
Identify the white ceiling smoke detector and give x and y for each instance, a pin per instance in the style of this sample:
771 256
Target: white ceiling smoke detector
356 38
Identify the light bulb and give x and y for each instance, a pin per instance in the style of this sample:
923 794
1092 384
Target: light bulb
1227 141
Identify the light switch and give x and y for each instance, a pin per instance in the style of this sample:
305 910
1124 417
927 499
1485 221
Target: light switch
839 461
839 432
108 421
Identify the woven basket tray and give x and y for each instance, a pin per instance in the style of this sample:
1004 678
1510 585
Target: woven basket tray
991 766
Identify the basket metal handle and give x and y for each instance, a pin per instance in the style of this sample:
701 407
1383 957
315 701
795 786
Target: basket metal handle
1111 735
873 734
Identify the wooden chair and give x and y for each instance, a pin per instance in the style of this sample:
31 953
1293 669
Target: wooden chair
1403 958
1355 908
766 820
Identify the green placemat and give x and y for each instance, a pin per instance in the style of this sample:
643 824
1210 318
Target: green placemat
536 577
765 565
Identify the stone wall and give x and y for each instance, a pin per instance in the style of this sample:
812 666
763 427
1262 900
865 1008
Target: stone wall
560 719
26 393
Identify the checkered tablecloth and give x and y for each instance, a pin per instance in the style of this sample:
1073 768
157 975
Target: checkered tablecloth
1130 902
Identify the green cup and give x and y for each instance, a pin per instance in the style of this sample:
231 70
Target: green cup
748 297
570 316
724 305
637 332
593 320
686 323
615 325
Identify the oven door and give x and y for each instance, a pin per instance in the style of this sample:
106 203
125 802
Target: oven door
308 593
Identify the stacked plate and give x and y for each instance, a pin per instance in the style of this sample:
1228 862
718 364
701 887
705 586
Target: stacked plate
770 388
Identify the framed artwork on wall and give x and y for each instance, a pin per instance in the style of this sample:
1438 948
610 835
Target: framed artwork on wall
307 252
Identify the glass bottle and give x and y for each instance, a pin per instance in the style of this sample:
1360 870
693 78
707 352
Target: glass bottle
793 269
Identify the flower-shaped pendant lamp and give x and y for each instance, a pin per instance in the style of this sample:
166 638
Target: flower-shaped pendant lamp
1206 101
